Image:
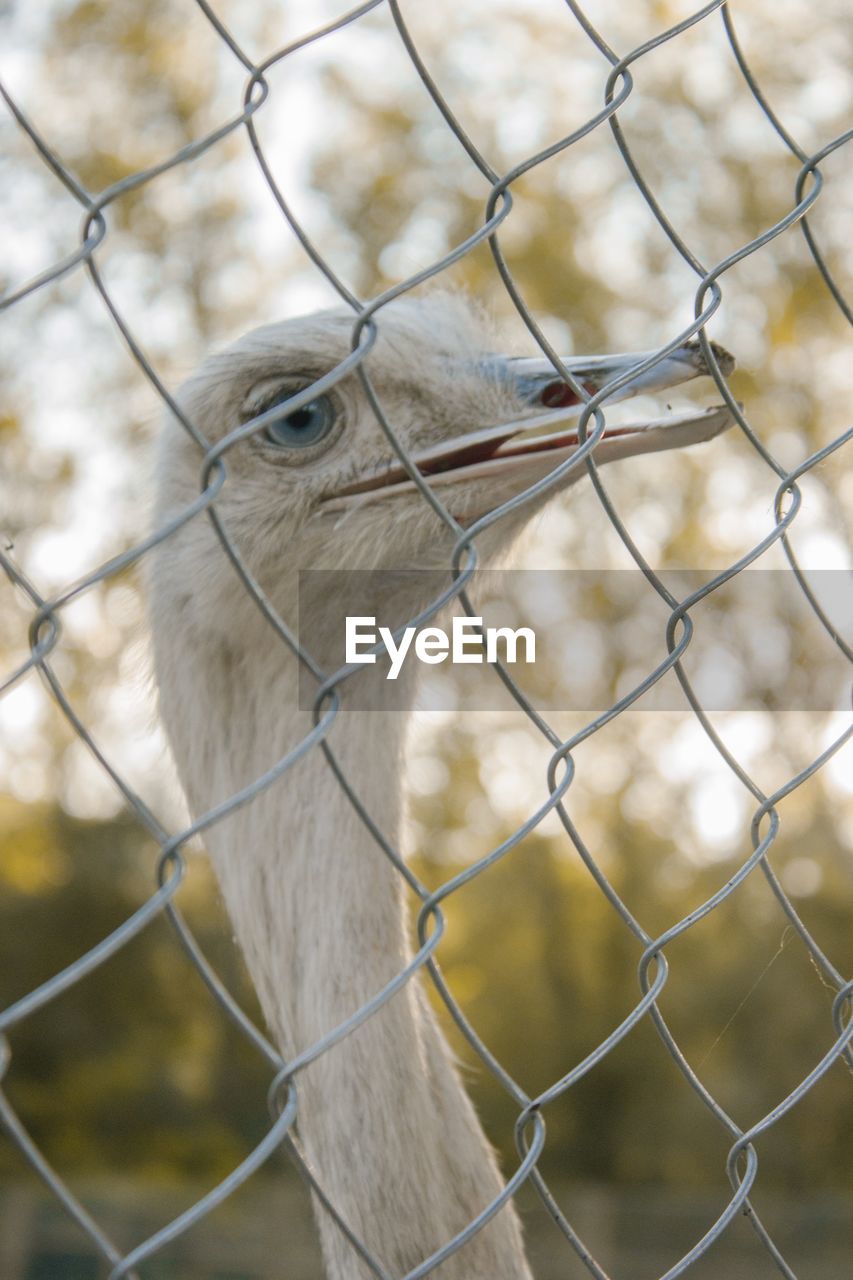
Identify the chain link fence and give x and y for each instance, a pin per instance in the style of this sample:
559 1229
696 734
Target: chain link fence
616 71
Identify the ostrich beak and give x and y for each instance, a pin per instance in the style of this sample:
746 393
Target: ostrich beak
510 449
536 382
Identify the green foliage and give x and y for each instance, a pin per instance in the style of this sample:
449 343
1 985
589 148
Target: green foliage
133 1069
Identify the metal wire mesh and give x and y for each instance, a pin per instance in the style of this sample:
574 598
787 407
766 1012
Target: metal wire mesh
743 1162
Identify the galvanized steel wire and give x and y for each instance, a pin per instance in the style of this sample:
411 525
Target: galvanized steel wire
46 623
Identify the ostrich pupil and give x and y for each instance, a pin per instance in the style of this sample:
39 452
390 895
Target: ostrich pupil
304 426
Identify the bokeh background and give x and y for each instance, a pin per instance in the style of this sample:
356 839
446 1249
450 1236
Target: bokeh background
132 1082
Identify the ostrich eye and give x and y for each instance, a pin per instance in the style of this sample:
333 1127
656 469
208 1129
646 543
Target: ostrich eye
306 426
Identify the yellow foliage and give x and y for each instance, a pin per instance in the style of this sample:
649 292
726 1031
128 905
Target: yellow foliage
30 860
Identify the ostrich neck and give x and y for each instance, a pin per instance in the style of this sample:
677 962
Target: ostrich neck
319 912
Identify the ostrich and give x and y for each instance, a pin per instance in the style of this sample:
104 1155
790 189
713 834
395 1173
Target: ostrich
317 908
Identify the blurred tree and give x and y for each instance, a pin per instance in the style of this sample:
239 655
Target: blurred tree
132 1067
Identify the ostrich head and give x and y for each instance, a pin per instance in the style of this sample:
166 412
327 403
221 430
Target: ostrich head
320 486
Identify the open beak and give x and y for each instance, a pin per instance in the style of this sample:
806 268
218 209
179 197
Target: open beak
511 449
